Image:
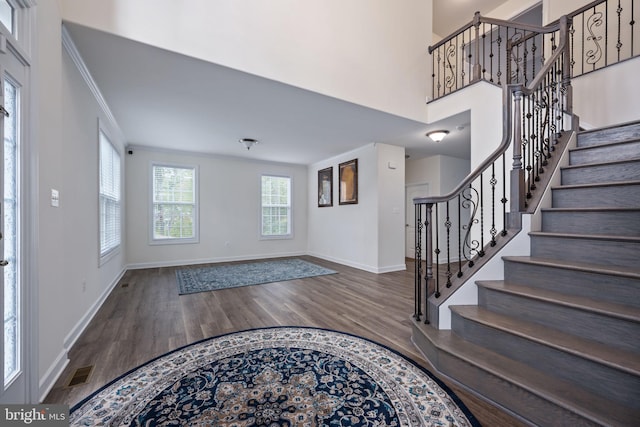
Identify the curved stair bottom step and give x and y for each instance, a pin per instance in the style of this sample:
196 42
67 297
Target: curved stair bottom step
535 396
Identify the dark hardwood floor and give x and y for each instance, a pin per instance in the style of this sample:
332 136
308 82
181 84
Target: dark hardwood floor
144 317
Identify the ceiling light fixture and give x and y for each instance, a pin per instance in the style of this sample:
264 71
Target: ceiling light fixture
437 135
248 142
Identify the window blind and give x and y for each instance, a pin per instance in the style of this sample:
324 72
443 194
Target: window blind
109 196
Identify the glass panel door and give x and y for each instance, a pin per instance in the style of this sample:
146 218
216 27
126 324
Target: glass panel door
12 324
13 301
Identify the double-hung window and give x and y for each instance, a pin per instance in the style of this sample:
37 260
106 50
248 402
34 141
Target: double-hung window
175 209
276 206
109 196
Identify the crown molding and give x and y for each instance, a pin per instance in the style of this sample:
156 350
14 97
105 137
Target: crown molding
73 52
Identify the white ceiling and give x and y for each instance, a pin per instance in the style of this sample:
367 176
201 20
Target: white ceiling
167 100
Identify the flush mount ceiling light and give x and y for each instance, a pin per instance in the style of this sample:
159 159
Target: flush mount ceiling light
437 135
248 142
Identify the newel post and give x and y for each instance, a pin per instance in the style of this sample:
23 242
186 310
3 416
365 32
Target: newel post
477 72
517 172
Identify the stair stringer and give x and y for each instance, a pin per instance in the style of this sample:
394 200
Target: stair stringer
518 245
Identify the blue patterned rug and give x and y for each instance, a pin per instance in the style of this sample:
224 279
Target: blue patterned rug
286 376
202 279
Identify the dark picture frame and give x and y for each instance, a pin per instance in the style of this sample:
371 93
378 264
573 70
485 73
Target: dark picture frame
325 187
348 190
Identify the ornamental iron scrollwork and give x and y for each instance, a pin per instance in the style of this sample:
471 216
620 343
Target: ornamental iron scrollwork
470 246
450 69
595 54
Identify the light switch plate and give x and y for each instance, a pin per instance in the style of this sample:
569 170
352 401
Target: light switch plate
55 198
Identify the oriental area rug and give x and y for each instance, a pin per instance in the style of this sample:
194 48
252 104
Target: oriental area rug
284 376
211 278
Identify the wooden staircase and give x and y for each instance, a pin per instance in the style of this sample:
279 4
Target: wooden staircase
557 342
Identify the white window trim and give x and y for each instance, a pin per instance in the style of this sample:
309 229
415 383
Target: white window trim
196 210
109 254
280 236
21 40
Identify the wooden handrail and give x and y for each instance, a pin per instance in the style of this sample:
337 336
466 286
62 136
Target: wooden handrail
479 19
507 120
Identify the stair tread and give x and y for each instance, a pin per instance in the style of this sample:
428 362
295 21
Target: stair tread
600 353
596 185
592 209
542 384
621 311
608 163
603 144
612 237
632 273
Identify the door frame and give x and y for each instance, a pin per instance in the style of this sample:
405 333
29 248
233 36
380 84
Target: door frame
20 47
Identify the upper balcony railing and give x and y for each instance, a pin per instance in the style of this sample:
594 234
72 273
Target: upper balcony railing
601 33
534 66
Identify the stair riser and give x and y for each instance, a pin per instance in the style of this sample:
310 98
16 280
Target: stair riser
611 172
611 223
537 409
621 133
615 289
597 378
602 252
590 325
615 196
605 153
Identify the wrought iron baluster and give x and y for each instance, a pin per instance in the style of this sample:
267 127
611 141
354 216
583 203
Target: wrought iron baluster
632 23
429 254
493 181
484 41
481 197
418 263
437 252
447 225
462 48
499 42
619 43
491 52
504 199
459 236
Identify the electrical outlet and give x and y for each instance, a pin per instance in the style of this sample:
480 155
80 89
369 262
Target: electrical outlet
84 286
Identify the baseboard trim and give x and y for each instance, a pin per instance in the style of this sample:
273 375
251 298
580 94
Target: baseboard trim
79 327
177 263
369 268
48 380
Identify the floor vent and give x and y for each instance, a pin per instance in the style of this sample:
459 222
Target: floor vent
80 376
125 285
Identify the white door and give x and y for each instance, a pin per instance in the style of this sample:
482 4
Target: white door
13 71
411 192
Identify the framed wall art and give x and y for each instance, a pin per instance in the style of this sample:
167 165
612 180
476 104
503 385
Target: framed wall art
325 187
348 190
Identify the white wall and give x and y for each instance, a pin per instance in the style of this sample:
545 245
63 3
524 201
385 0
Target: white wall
608 96
354 234
229 209
391 207
47 78
71 283
353 50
